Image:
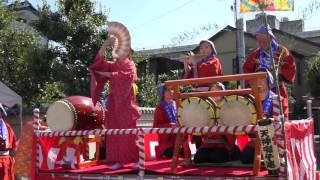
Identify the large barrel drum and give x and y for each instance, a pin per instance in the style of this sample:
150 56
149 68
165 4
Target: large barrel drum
75 113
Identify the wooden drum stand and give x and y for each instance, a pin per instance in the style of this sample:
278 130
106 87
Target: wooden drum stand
254 90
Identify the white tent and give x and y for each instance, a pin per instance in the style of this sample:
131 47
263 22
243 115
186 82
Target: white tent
9 98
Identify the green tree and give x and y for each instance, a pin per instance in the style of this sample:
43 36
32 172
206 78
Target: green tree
148 95
49 93
22 67
75 32
313 75
36 72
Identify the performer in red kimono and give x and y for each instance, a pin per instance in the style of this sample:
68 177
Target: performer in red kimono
209 66
165 116
266 95
122 111
260 58
7 148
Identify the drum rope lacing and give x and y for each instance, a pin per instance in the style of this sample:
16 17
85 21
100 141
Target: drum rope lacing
72 109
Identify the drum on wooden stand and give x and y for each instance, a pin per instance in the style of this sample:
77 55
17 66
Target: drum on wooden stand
236 110
75 113
197 112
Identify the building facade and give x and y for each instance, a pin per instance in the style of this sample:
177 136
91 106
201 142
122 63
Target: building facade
302 45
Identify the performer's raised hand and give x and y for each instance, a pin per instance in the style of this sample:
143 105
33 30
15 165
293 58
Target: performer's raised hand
107 43
186 62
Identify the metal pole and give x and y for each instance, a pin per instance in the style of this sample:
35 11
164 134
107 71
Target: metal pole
275 74
237 34
240 43
21 120
309 108
241 53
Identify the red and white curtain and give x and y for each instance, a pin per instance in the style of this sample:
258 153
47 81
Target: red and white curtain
301 150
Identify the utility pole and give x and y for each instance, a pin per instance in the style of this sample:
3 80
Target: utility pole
240 44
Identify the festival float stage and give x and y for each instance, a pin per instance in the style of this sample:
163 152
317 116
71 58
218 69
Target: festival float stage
297 146
156 169
300 158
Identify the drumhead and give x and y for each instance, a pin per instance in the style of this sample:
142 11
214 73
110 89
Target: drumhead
236 110
60 116
196 112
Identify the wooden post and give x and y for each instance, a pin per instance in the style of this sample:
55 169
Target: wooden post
176 151
179 136
257 151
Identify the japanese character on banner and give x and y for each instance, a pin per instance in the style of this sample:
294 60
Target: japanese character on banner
57 152
269 148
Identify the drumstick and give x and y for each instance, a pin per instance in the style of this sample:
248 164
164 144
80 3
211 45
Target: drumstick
182 57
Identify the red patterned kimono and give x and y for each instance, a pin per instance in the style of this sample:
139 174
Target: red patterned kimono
122 111
209 68
161 121
7 161
287 70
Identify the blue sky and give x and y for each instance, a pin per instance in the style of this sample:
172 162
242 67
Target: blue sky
154 23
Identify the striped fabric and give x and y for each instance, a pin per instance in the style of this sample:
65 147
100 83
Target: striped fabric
142 155
248 129
278 133
300 147
36 119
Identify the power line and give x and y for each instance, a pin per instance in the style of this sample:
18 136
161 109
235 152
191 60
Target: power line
163 15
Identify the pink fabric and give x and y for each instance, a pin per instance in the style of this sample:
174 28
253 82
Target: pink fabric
242 140
97 82
122 109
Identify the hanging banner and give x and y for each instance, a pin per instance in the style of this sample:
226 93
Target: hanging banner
267 5
300 149
56 152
